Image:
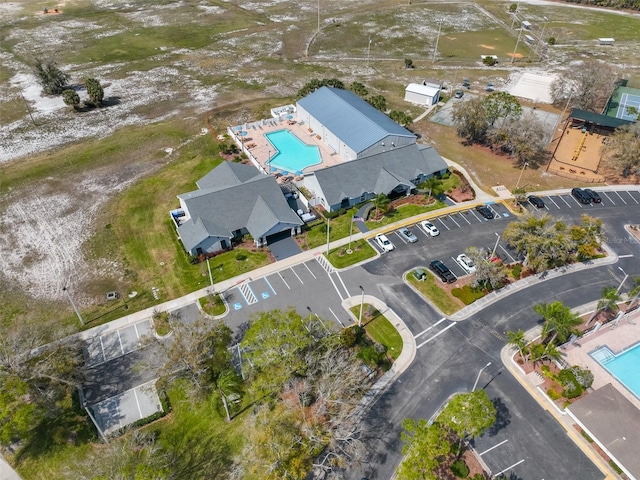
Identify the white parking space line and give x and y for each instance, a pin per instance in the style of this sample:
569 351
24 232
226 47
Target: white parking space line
422 230
495 446
343 285
567 203
621 198
298 277
464 218
429 328
437 334
375 246
336 287
633 198
336 317
497 216
553 201
453 220
266 280
104 356
507 252
477 217
445 225
137 403
307 267
508 468
120 341
285 282
608 197
135 327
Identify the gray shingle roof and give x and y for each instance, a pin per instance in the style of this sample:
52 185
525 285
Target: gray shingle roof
351 119
614 421
227 174
257 204
378 173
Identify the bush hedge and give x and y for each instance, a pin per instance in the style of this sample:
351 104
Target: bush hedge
460 469
467 294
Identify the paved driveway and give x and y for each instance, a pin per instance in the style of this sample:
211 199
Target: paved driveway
283 246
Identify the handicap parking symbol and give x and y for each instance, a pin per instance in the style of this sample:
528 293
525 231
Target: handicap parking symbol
237 306
265 295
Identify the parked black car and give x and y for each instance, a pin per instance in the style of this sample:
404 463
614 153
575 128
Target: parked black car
536 201
580 195
442 271
485 212
595 198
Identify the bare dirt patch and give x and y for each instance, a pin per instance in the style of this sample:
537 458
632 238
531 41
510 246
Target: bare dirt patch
490 47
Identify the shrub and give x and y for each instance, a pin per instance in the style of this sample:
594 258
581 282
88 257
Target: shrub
586 436
551 40
460 469
583 376
241 257
571 387
489 61
467 294
335 214
553 395
516 270
613 465
351 336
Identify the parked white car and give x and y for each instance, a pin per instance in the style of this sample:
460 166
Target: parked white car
466 263
384 243
430 228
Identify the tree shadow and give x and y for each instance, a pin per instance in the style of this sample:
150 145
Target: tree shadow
503 417
71 427
110 101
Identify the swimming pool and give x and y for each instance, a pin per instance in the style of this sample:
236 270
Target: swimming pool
623 366
291 154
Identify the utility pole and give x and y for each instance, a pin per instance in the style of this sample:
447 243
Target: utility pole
435 50
328 230
318 17
369 51
513 57
213 288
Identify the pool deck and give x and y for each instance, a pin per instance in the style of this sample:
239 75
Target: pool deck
618 338
261 149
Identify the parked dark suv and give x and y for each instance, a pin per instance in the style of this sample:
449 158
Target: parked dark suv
595 198
581 195
442 271
536 201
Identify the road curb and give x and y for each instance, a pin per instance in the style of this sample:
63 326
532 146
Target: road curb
507 355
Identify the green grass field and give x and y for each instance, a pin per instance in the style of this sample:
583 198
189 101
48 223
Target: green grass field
382 331
361 250
430 288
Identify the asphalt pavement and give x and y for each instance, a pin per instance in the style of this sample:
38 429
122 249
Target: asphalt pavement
447 354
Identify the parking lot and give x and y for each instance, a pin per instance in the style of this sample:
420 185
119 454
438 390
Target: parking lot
115 344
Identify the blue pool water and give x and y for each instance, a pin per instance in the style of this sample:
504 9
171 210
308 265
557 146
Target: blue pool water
291 154
623 366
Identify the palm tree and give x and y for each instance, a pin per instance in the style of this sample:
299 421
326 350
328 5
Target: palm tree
229 385
382 202
634 294
607 303
71 98
431 182
558 319
552 352
94 91
518 340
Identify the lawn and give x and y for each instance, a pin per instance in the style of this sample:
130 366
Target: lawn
361 249
381 330
339 227
432 291
404 211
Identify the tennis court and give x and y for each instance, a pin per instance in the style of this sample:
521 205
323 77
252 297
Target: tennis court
624 103
628 100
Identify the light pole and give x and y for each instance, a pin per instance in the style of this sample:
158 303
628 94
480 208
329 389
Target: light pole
269 160
478 377
521 172
318 17
213 289
369 51
513 57
623 280
361 306
75 309
493 253
435 50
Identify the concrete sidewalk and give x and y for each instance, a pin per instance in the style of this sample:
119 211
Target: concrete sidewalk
530 383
